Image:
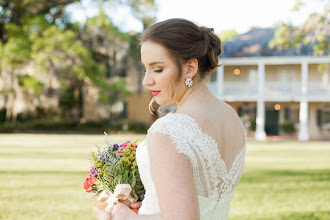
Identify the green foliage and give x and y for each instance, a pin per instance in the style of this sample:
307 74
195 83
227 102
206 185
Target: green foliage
282 37
314 31
143 10
38 41
288 127
16 11
29 82
227 34
253 125
298 5
17 49
51 121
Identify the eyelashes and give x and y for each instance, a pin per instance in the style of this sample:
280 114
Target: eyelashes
156 71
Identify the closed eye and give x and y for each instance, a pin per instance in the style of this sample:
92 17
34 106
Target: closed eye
159 70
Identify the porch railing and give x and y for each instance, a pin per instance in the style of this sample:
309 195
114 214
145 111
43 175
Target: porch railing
282 89
273 90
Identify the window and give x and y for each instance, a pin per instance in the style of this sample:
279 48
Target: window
323 117
253 76
287 75
326 117
294 114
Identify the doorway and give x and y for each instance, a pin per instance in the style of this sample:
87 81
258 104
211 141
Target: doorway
272 122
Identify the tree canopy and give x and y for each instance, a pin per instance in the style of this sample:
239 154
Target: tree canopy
314 31
47 57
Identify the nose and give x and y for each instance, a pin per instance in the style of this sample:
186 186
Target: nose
148 80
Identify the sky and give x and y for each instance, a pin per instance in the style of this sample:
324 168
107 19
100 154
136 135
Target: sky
221 15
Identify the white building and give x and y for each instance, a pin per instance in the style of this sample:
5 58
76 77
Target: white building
274 92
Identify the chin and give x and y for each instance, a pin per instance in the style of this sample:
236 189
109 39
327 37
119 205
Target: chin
162 102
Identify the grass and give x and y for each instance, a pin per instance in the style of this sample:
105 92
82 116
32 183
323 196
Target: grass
42 177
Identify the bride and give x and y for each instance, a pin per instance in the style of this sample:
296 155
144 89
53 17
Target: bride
192 160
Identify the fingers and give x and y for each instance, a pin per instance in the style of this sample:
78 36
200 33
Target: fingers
135 205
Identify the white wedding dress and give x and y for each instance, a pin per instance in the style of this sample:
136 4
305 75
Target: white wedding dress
215 181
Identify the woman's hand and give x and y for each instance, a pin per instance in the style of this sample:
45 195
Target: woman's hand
135 206
122 212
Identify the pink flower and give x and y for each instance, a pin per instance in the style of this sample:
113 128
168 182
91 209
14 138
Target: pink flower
87 185
89 182
93 180
118 151
125 144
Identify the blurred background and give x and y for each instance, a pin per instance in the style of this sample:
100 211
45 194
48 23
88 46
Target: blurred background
75 65
70 70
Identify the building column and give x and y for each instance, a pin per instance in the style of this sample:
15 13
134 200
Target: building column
303 112
260 133
220 72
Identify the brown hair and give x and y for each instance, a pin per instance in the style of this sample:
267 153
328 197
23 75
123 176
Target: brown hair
185 40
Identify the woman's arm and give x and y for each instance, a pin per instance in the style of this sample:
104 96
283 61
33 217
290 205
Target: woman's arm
173 178
148 217
174 182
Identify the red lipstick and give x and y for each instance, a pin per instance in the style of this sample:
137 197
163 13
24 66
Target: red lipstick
154 92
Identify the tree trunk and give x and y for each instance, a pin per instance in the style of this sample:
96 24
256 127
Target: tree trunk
9 106
76 104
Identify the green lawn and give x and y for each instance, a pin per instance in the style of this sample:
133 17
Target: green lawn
42 177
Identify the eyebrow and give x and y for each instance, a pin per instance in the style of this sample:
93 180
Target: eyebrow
153 63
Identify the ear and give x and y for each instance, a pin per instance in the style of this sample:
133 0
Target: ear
192 67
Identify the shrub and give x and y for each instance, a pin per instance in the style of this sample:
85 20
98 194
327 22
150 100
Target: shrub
287 127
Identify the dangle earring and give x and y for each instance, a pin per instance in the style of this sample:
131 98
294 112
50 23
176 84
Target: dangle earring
189 82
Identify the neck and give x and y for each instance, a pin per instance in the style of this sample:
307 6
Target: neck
195 94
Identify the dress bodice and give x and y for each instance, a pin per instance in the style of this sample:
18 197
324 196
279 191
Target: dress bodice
215 183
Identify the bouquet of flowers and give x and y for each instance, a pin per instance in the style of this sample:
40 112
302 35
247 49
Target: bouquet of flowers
114 177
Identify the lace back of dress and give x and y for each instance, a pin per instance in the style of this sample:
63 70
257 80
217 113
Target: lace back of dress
217 166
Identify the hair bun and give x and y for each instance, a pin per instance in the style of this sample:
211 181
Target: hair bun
211 50
185 40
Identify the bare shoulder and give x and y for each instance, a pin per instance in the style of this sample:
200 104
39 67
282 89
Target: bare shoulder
232 129
219 120
225 124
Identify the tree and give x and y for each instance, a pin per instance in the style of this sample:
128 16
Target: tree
227 34
143 10
314 31
15 11
15 48
15 54
45 57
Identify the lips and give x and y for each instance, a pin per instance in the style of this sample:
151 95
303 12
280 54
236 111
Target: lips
154 92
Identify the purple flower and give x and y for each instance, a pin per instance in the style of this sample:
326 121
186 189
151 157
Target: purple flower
94 171
101 158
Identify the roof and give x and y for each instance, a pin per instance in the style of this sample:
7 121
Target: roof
255 43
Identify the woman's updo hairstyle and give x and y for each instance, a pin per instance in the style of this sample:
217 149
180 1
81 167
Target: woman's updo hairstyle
185 40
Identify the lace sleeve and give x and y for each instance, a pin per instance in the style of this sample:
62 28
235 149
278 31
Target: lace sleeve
179 136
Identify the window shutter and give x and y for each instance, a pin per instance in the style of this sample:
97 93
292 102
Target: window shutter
287 114
319 117
124 112
239 111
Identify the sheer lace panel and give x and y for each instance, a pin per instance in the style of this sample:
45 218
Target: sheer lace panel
216 170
